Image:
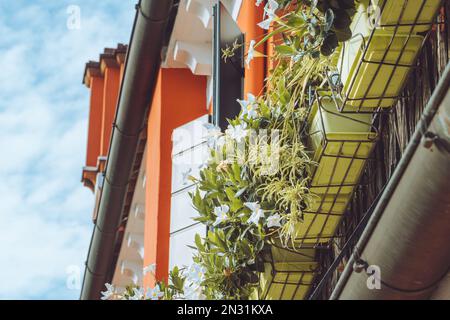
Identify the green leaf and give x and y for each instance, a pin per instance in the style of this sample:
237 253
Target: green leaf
221 241
285 50
199 243
236 171
230 193
236 205
246 248
240 192
296 21
175 271
202 219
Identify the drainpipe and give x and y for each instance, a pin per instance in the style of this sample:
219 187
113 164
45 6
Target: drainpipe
408 234
141 70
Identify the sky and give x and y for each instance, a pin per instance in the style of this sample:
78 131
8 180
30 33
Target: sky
45 212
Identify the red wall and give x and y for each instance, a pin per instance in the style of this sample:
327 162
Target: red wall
249 16
180 97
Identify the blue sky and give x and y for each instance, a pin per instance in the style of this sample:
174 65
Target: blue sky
45 213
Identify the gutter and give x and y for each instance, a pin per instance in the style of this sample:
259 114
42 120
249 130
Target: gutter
408 234
142 65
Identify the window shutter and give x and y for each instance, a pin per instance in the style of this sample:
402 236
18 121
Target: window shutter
228 76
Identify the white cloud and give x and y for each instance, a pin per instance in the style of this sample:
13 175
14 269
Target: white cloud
45 211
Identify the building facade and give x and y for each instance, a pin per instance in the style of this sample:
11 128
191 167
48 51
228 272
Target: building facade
149 105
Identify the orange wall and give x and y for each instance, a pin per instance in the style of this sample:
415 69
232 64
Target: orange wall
95 121
179 97
249 16
110 94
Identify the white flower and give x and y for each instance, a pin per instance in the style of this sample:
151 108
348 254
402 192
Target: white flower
219 296
238 132
155 293
249 106
106 295
274 221
213 134
149 269
212 131
221 214
250 53
196 273
194 293
258 2
138 294
257 212
220 142
192 288
269 11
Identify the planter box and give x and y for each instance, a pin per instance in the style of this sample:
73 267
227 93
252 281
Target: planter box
341 144
365 19
370 78
341 161
288 273
359 70
321 219
422 13
325 120
279 253
286 280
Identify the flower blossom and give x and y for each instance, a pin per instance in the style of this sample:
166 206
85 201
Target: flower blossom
192 286
257 212
106 295
274 221
249 107
138 294
238 132
269 12
155 293
250 53
221 214
196 273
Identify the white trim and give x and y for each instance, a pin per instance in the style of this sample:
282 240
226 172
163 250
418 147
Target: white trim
136 242
202 10
132 270
196 56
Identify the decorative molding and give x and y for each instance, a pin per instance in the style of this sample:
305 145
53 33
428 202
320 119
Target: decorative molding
195 56
144 179
234 6
132 270
202 9
136 242
139 211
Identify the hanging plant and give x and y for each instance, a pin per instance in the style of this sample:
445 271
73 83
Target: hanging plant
257 193
253 190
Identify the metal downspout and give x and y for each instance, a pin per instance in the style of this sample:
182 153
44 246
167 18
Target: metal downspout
141 71
408 234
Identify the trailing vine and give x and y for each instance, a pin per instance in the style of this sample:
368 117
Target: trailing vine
253 190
